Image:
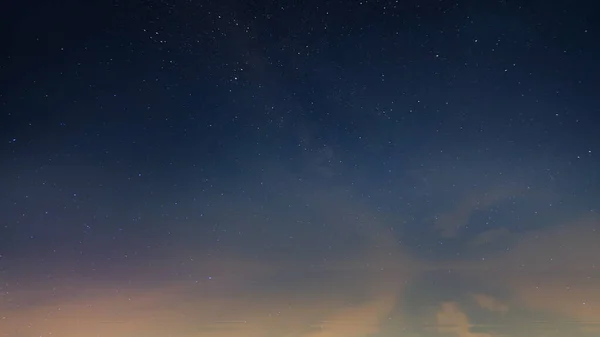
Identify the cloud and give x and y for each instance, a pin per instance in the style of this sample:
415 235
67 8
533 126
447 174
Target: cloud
450 223
559 271
451 319
551 271
489 303
355 289
387 265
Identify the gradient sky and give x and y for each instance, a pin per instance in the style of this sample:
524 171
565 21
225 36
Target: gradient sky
314 168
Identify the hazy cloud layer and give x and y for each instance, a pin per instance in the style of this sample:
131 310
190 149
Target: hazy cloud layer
544 275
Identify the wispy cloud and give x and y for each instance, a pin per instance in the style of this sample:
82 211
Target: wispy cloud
451 319
489 303
450 223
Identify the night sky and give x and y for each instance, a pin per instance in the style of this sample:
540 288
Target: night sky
180 168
